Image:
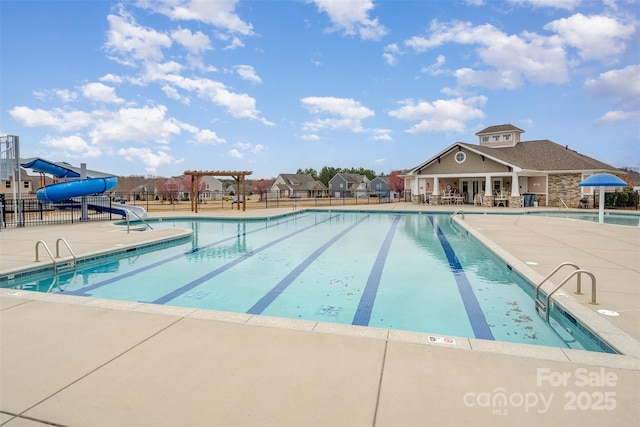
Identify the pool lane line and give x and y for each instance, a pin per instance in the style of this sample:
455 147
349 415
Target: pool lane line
368 297
275 292
83 291
185 288
476 317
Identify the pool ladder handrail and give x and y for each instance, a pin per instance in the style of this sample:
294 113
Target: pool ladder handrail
296 205
542 307
139 217
566 208
55 263
459 211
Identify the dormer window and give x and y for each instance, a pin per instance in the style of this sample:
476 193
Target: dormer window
506 136
485 139
496 137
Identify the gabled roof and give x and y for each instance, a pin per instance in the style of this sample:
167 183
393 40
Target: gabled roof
299 181
381 178
543 155
500 129
352 178
538 155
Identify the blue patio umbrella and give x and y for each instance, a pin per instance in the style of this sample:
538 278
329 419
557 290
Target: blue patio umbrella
602 180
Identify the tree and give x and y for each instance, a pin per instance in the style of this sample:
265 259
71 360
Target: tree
262 186
326 173
167 189
309 171
396 182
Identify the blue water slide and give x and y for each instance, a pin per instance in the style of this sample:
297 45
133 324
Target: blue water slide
83 187
66 190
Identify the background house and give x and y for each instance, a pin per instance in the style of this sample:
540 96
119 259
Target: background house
502 164
379 185
297 185
348 185
212 188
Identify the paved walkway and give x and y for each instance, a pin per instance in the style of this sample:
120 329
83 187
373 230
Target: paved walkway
74 361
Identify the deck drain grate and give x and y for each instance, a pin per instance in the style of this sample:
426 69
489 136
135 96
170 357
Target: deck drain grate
329 310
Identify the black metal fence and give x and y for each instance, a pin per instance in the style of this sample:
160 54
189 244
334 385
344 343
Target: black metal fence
221 201
30 211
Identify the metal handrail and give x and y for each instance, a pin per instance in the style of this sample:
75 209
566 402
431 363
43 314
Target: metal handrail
459 211
139 217
68 247
46 248
296 205
578 271
554 272
565 205
55 265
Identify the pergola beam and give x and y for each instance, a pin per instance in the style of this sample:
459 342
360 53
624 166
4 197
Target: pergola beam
238 176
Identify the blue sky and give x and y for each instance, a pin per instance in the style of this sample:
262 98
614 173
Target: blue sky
157 87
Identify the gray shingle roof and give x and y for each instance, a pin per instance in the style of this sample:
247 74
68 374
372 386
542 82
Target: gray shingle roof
543 155
499 128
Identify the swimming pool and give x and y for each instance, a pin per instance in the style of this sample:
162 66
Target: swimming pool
628 219
405 271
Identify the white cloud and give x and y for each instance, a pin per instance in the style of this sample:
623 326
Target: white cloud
391 53
173 93
511 58
442 115
196 43
206 136
235 153
147 124
220 13
611 117
350 113
559 4
623 86
248 73
131 42
239 105
111 78
382 134
101 93
435 69
352 17
596 37
57 118
72 146
151 160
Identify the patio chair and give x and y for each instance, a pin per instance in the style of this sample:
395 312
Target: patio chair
477 200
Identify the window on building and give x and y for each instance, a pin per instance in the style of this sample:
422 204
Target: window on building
460 157
25 184
496 137
506 136
485 139
7 184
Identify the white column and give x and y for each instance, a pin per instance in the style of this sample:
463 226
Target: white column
488 186
515 185
415 186
436 186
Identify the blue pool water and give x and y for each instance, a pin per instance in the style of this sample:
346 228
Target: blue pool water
628 219
412 272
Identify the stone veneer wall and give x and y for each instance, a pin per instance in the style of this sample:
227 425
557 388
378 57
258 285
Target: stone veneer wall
565 186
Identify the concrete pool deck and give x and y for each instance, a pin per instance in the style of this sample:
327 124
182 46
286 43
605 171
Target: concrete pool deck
73 361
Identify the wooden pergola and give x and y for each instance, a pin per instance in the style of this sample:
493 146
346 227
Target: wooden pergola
238 176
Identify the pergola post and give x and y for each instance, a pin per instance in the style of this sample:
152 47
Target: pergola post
239 177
